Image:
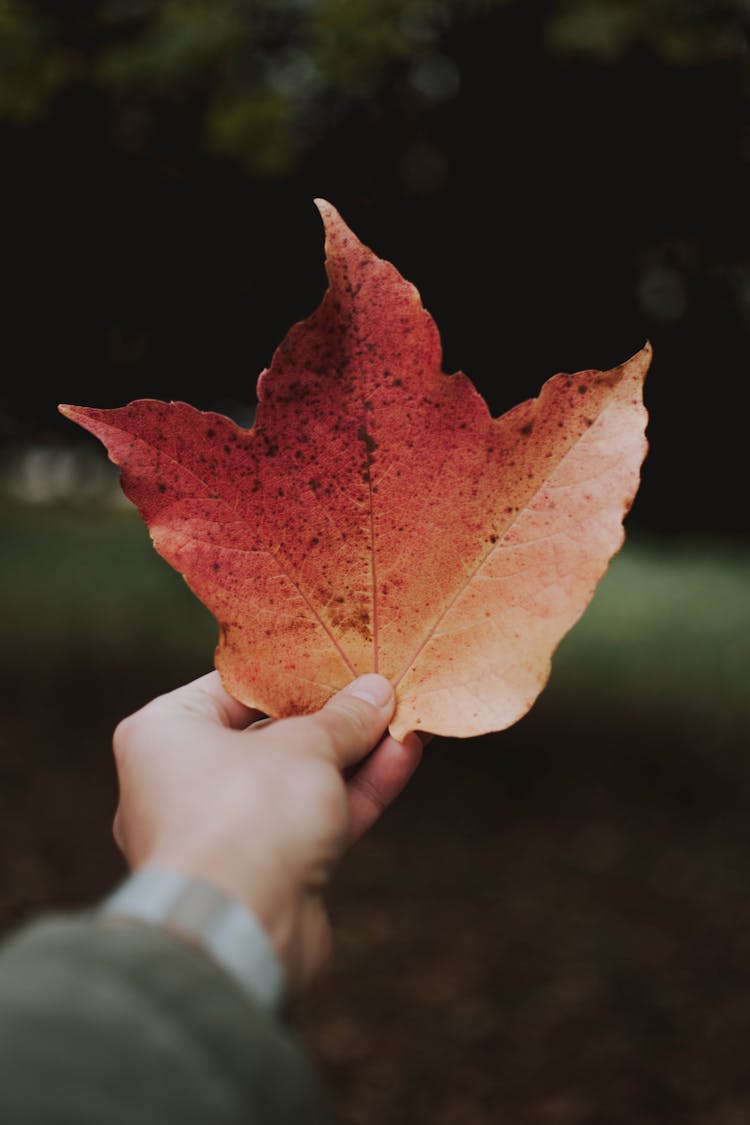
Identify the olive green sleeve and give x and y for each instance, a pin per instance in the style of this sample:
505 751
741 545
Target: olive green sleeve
118 1024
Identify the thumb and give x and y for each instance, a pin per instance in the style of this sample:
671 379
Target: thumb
354 720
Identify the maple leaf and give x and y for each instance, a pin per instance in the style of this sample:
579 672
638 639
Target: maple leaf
376 517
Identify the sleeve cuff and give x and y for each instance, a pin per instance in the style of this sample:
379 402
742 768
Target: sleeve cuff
205 916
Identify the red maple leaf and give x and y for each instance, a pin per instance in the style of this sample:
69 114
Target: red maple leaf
376 517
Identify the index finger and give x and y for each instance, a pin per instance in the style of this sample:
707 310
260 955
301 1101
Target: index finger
376 783
208 698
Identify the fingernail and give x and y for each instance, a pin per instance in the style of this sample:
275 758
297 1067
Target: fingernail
375 689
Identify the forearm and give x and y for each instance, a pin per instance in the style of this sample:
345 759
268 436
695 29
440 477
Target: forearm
128 1023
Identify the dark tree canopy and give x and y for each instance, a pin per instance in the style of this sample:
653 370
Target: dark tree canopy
161 158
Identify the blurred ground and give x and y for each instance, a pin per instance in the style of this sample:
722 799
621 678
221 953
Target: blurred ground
552 927
549 927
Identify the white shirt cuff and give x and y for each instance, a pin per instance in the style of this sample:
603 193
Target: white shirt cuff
207 916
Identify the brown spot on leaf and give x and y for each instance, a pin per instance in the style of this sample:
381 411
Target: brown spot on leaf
370 444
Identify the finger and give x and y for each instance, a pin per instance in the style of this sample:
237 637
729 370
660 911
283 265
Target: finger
258 724
117 832
352 721
379 780
207 698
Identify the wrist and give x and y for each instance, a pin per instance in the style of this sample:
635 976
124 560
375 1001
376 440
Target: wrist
206 916
266 894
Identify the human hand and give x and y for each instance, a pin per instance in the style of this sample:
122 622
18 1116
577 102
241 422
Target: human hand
263 811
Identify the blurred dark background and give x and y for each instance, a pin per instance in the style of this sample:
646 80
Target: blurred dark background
551 924
561 181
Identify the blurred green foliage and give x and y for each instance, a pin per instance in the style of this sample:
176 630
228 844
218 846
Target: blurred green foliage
665 643
33 64
85 583
268 77
682 32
